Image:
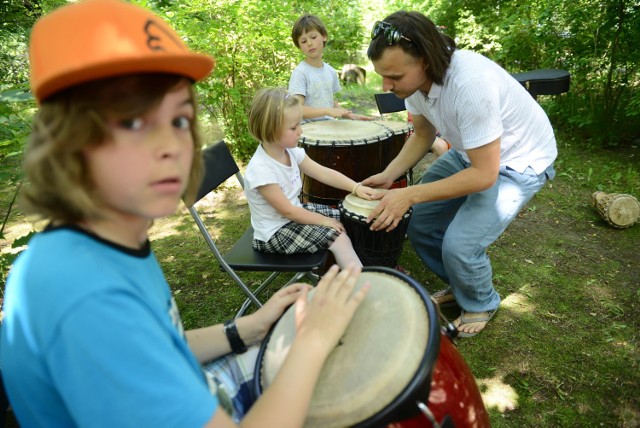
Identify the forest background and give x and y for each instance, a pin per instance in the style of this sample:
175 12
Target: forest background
571 359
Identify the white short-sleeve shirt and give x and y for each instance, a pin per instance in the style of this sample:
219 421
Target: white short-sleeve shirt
479 102
262 170
317 85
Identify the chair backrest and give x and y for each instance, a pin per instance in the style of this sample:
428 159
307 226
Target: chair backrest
388 102
219 166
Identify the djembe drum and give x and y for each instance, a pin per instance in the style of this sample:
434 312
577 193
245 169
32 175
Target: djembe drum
356 148
399 131
379 248
393 364
619 210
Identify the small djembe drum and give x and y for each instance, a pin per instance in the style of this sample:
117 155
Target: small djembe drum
379 248
618 209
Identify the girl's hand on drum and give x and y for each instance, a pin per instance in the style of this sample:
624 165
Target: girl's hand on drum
272 310
321 322
388 213
366 192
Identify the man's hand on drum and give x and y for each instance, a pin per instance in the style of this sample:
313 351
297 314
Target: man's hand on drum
321 322
389 211
272 310
379 181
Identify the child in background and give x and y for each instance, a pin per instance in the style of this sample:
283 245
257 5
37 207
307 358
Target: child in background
313 80
273 184
91 335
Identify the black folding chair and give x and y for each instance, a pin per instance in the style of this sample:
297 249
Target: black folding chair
220 166
388 102
546 81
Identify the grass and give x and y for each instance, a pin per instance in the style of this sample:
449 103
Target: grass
563 350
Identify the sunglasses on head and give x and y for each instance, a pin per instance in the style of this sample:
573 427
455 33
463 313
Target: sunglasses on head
391 33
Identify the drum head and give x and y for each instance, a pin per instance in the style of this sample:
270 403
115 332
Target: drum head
396 127
356 205
378 357
342 132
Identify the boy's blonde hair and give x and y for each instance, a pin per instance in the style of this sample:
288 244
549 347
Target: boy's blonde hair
305 24
59 183
266 117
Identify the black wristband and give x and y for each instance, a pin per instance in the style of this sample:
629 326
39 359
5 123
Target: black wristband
237 345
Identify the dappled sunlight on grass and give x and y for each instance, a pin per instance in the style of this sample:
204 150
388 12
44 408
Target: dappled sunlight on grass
18 229
497 394
518 303
167 227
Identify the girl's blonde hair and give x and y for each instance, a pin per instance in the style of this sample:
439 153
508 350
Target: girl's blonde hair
59 186
266 117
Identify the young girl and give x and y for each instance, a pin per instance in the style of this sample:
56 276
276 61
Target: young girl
272 184
91 335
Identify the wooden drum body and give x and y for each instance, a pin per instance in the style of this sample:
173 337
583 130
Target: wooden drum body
393 366
356 148
379 248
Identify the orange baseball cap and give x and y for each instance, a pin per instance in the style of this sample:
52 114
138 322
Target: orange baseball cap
95 39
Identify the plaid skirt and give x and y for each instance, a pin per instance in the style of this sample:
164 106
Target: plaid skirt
295 238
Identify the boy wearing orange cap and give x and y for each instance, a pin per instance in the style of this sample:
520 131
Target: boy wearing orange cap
91 335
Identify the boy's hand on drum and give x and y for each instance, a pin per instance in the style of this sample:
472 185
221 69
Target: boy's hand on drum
321 321
388 213
338 112
272 310
354 116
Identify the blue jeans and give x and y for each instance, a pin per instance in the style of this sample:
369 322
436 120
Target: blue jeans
452 236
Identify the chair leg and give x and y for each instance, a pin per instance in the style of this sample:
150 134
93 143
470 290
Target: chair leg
313 277
255 293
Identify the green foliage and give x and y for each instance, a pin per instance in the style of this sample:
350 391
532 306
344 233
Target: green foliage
17 19
252 44
597 42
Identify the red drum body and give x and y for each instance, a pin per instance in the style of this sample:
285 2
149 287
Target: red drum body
379 248
356 148
394 366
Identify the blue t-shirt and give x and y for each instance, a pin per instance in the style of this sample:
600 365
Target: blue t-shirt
91 336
